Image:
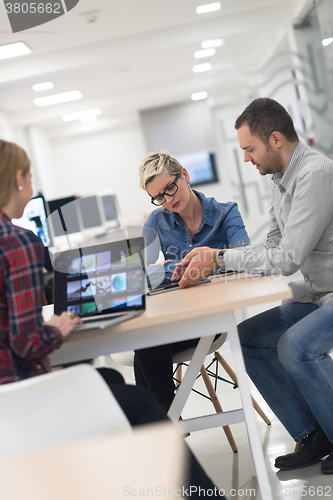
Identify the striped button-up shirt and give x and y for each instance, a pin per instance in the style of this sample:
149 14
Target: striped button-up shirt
301 227
23 336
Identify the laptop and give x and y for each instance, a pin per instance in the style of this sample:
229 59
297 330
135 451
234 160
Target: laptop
103 284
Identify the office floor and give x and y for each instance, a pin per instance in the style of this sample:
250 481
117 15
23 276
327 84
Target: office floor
234 472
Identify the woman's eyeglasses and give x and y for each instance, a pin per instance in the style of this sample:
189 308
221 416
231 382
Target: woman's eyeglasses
170 191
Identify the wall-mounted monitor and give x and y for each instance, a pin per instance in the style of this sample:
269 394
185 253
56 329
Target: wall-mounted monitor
201 167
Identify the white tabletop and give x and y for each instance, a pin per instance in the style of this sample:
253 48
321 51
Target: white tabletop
167 314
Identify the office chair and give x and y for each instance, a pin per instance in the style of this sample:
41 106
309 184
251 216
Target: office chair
181 358
57 408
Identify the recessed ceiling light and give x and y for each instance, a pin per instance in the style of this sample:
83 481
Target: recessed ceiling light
13 50
209 7
72 95
208 44
199 54
38 87
327 41
198 68
82 115
197 96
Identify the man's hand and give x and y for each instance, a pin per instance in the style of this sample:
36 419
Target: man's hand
197 264
65 322
158 264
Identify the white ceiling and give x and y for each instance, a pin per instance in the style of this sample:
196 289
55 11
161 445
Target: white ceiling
137 54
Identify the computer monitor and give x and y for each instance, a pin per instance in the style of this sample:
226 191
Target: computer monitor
35 218
65 217
65 221
201 166
91 215
111 212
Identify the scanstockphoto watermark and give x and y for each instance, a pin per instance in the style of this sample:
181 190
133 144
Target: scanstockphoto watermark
23 14
187 492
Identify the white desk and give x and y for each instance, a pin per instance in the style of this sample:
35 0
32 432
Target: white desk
203 312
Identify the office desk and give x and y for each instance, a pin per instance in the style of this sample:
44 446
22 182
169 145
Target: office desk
198 312
106 467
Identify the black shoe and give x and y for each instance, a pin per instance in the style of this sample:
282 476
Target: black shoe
315 446
327 465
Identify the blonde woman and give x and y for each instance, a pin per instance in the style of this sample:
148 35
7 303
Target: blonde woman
184 219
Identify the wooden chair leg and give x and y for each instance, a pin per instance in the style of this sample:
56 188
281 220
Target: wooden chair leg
233 377
298 445
178 376
218 407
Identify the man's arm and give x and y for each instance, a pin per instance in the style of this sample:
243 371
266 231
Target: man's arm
311 212
274 236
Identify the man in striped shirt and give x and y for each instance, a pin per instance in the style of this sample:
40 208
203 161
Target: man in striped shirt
300 236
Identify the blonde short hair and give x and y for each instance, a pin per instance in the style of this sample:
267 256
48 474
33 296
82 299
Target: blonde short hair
12 159
155 164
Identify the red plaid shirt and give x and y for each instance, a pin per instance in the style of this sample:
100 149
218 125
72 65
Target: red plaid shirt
23 337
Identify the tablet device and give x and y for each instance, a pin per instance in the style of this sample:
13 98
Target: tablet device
172 285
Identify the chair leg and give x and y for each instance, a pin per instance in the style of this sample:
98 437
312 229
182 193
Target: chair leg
178 376
218 407
233 377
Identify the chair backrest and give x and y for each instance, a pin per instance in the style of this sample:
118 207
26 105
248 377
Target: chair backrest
57 408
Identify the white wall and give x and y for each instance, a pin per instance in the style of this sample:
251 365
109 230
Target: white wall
93 162
6 131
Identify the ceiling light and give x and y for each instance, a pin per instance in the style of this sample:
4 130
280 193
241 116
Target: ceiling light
198 68
204 53
38 87
82 115
13 50
197 96
72 95
210 7
327 41
88 118
208 44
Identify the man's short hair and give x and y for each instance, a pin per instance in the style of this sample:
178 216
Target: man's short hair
265 116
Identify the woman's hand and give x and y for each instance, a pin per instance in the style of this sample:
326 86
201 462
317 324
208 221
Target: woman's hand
43 365
65 322
157 264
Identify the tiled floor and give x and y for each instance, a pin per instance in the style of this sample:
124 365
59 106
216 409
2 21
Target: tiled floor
235 472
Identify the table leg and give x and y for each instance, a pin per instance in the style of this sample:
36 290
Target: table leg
251 424
190 376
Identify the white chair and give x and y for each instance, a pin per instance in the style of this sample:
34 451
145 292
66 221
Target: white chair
127 359
57 408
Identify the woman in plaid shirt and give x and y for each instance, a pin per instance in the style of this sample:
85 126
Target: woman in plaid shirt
25 340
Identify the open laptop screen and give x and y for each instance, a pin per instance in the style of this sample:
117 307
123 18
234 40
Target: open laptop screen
100 279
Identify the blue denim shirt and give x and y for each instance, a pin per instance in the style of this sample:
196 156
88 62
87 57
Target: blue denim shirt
221 227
